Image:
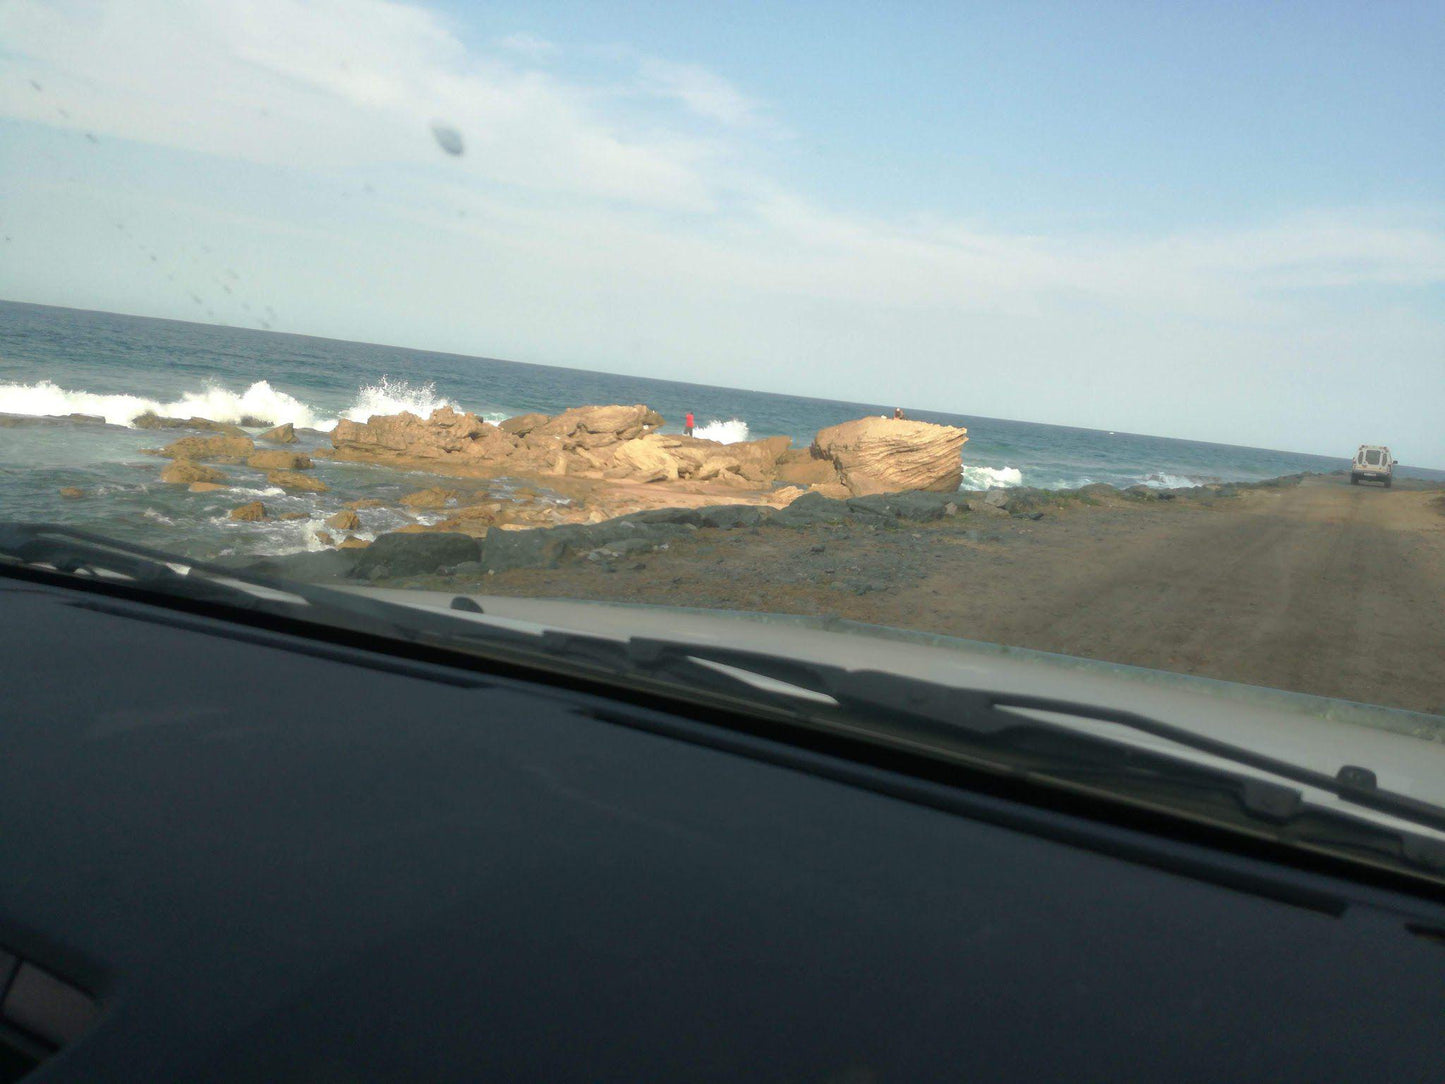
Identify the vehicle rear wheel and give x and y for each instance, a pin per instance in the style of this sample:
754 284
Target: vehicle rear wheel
1354 479
1388 482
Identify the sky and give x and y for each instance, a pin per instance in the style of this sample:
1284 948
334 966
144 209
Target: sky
1215 221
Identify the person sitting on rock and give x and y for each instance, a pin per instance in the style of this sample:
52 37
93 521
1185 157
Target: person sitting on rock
898 415
687 424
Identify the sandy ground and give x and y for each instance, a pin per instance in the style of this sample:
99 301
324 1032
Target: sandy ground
1320 588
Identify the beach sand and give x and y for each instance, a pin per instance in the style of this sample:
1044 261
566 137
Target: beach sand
1320 587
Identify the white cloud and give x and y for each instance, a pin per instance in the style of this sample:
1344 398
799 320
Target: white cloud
529 45
704 92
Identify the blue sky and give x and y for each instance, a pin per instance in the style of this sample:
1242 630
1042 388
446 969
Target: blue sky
1218 221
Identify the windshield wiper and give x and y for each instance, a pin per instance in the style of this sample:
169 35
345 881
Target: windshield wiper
928 717
946 713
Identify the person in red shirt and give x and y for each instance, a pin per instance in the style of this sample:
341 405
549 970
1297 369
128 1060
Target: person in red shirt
687 424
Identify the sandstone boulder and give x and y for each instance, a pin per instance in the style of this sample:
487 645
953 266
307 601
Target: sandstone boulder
278 460
875 455
205 487
72 492
282 434
225 447
249 513
351 542
522 424
367 502
324 537
295 482
345 520
185 471
643 460
801 468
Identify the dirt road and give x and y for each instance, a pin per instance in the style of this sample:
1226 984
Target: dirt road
1321 588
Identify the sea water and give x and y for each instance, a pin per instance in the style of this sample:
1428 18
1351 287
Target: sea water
55 362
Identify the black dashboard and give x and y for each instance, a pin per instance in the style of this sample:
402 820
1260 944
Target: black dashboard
230 852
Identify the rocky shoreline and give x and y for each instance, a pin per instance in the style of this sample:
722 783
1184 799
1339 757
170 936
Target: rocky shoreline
448 560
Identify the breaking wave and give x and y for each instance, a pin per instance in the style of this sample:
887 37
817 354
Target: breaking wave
991 477
260 400
732 431
1161 480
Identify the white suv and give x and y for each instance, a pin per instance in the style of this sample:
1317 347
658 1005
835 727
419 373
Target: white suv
1372 462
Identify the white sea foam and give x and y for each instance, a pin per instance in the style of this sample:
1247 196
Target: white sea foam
260 400
1161 480
991 477
732 431
388 396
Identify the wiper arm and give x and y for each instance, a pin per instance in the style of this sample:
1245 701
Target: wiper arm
948 713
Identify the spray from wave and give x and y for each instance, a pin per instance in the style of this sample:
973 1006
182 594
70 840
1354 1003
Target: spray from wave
388 396
991 477
732 431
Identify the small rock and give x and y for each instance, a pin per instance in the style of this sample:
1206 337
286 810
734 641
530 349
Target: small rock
351 542
282 434
293 481
345 520
818 547
184 471
324 537
369 502
293 515
275 459
73 492
205 487
250 512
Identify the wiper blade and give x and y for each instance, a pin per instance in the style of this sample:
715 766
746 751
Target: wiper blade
947 713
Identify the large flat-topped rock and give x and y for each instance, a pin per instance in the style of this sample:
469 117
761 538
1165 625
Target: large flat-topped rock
881 455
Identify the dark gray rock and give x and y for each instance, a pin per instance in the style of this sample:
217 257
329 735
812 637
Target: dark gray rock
325 566
681 516
917 505
731 516
543 547
809 510
1098 491
415 554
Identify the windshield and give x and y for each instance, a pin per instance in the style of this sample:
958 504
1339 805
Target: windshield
1036 329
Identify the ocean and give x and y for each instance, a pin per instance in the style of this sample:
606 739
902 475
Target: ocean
55 362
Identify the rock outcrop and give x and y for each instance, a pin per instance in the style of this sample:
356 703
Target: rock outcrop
274 459
881 455
620 443
223 448
345 520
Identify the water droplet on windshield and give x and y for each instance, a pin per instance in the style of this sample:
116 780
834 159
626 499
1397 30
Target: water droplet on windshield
448 138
